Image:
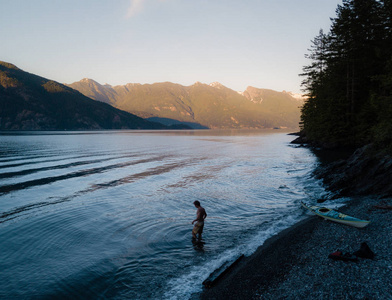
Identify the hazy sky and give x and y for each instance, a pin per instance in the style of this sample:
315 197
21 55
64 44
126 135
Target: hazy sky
237 43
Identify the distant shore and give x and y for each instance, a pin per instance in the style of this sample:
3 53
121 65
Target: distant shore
294 264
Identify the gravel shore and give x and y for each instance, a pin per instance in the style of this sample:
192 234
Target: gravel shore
295 264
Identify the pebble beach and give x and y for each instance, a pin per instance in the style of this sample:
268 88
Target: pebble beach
295 265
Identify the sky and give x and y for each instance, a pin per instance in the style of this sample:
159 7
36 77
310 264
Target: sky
239 43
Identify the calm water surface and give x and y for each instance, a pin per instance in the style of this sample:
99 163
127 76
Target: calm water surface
107 215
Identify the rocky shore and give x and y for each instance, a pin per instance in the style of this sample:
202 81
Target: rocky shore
315 276
295 264
368 171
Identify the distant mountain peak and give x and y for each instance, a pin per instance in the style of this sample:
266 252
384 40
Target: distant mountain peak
217 85
299 97
133 84
90 81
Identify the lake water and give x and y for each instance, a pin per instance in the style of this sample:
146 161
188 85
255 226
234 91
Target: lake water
107 215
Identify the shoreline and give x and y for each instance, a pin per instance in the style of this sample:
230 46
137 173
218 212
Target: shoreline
246 281
294 264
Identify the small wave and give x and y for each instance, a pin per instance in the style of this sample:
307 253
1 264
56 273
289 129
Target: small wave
83 173
27 161
128 179
12 214
9 215
190 283
38 160
204 174
55 167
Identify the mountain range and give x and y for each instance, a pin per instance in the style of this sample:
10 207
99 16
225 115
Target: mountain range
199 105
31 102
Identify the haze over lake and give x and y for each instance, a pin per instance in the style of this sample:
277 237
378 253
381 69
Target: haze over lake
108 214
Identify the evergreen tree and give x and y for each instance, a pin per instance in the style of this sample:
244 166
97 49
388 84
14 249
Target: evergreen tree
347 82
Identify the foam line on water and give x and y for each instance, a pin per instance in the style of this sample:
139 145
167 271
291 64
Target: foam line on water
191 282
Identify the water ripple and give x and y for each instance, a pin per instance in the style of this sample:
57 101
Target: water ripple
57 167
116 223
9 215
83 173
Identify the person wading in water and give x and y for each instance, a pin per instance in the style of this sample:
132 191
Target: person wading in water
200 217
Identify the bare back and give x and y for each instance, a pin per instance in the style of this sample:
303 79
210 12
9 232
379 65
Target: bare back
201 214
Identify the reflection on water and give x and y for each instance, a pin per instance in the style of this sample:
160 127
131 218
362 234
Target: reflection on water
108 214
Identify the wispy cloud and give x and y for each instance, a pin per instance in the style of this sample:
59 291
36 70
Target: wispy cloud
135 7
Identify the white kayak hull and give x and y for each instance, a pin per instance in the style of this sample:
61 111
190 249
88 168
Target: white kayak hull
335 216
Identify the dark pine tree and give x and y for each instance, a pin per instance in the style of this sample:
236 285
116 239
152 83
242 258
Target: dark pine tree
348 80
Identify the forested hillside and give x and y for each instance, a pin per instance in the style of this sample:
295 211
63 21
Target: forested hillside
349 79
31 102
209 106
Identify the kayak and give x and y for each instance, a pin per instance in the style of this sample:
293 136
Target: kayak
333 215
